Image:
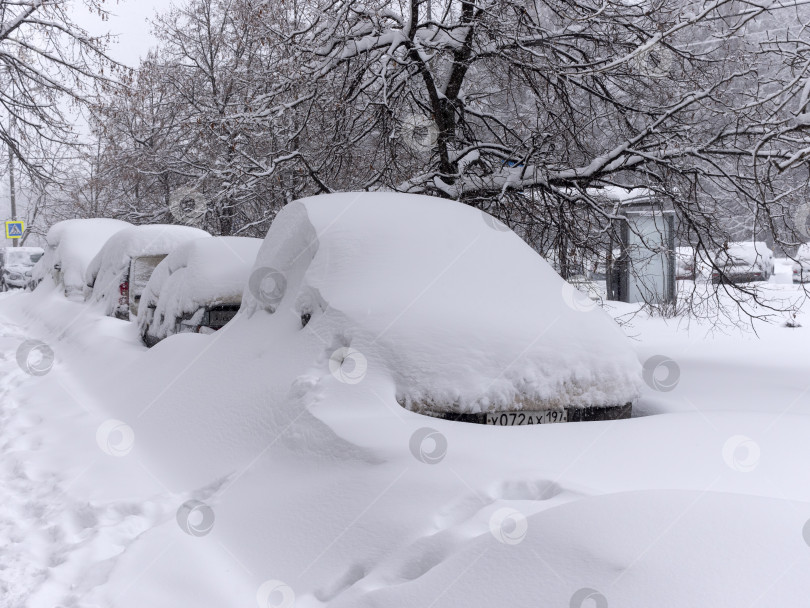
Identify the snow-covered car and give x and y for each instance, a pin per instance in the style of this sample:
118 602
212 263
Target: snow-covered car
743 262
801 266
16 264
71 246
119 272
685 264
197 287
466 322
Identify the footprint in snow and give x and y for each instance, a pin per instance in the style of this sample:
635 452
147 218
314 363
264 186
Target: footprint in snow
467 518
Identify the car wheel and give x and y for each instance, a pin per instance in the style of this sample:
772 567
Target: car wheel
145 337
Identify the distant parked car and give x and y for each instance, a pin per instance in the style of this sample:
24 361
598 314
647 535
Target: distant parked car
71 246
801 267
119 272
16 264
743 262
685 264
196 288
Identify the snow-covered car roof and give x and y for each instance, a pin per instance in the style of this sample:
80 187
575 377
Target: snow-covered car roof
461 313
803 252
617 194
745 252
72 244
198 273
749 246
105 271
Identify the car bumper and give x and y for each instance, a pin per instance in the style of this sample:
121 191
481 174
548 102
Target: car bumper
742 277
575 414
18 284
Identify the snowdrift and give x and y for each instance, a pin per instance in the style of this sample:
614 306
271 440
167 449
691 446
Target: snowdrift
463 315
321 486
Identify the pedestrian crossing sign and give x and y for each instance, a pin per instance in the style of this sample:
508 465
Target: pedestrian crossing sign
14 229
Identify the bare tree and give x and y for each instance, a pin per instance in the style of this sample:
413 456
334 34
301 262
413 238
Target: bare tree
226 61
46 62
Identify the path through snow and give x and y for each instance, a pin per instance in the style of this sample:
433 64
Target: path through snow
55 547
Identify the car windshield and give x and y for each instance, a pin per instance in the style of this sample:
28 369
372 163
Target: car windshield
22 258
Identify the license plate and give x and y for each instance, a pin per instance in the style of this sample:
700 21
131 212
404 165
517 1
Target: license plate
220 318
519 418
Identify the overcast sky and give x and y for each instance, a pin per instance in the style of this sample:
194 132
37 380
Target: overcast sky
128 19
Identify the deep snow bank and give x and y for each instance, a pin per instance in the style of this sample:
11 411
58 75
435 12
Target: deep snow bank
456 308
316 482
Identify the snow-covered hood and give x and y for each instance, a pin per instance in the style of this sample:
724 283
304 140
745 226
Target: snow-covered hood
461 313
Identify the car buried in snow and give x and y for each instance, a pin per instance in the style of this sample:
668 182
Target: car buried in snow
197 288
801 265
16 264
456 319
71 246
743 262
117 275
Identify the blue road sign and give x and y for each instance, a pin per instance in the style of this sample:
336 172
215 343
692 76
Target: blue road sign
14 229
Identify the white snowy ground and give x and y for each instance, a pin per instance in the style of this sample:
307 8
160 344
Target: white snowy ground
330 494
